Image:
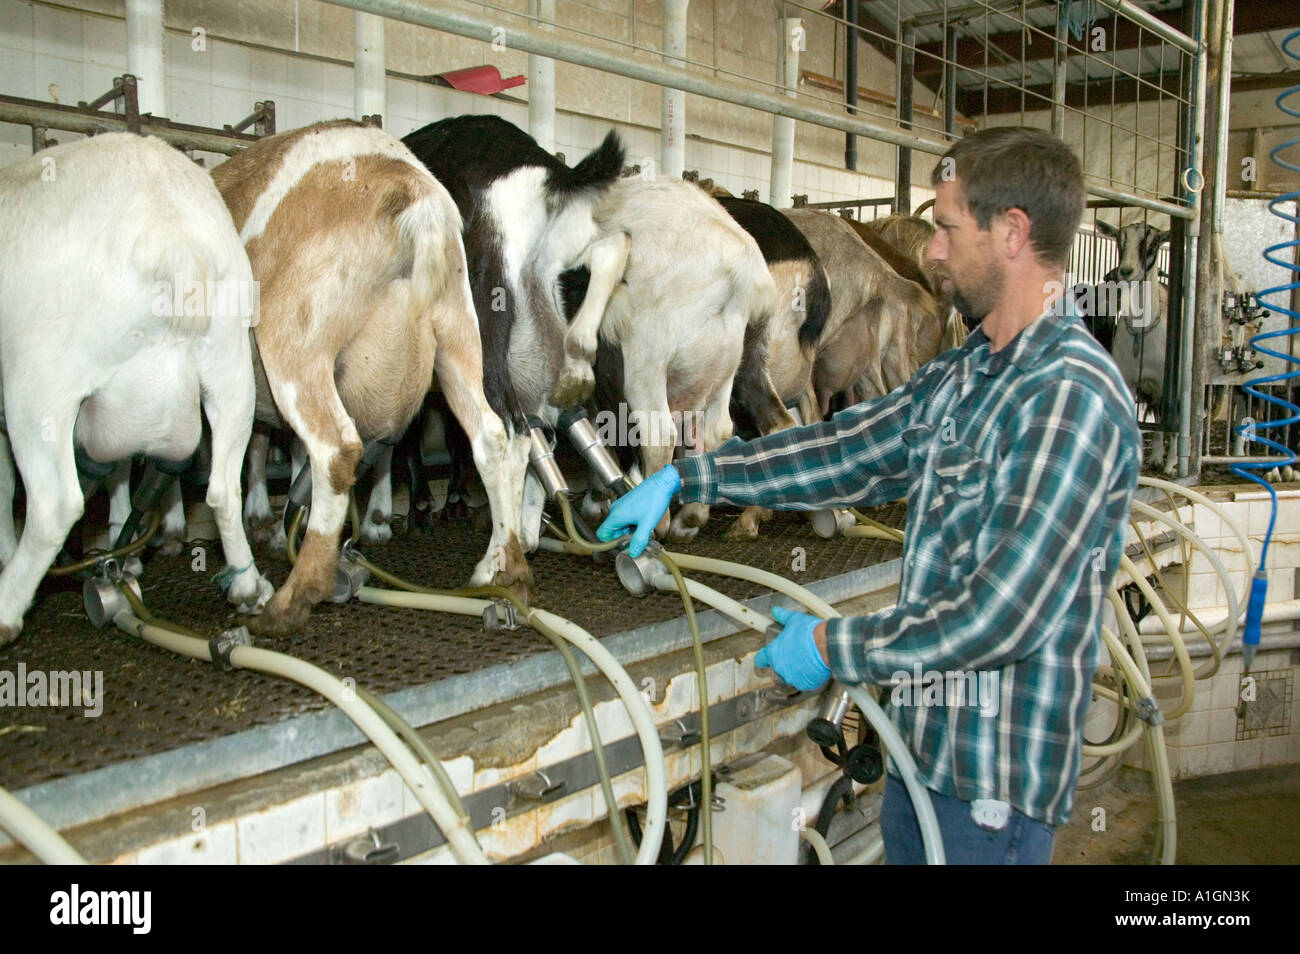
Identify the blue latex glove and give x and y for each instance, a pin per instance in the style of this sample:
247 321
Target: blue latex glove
641 507
794 654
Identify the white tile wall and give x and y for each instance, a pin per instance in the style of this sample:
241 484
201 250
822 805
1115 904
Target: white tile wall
215 846
283 832
46 51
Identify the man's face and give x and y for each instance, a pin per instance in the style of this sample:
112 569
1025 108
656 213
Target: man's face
964 253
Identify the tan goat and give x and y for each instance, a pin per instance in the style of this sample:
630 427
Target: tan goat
364 297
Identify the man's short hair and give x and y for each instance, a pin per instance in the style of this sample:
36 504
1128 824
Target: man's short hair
1006 168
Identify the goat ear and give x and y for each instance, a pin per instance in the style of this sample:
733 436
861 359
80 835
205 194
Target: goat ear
1163 237
1107 229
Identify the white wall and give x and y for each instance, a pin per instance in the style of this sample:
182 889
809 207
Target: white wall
58 54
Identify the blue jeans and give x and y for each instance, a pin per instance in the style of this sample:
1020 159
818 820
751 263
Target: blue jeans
1024 840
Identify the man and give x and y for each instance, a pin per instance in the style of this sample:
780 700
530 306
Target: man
1018 455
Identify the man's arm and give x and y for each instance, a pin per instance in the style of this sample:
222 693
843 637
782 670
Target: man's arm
1056 508
858 457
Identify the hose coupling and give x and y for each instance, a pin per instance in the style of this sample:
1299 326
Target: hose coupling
828 524
100 596
500 616
1148 711
222 646
349 575
638 574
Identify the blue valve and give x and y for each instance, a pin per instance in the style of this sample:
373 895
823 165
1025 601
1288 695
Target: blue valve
1254 617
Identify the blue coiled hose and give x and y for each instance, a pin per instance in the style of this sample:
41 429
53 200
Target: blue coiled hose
1259 585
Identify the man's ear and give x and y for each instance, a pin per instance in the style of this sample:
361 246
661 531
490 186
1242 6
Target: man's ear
1017 224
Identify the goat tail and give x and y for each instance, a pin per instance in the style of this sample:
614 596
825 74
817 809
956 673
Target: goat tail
600 168
817 309
424 237
753 388
182 278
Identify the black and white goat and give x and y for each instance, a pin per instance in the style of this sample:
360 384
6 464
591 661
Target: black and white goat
527 218
1127 313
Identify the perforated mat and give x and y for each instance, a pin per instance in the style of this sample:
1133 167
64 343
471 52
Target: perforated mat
154 701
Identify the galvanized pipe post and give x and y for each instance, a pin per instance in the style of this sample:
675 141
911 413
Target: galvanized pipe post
370 80
851 79
541 81
1058 72
1209 292
146 57
672 134
906 87
792 42
950 80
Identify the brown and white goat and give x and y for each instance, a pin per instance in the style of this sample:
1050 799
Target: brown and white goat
868 346
364 296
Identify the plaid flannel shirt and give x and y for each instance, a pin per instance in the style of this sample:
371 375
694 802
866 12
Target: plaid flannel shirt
1019 470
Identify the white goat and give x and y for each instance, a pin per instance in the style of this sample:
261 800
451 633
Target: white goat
121 283
695 294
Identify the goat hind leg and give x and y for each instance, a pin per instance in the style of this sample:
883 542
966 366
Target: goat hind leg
51 466
376 522
8 484
606 259
333 450
502 464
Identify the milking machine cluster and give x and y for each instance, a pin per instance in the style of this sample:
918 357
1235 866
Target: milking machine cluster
1238 356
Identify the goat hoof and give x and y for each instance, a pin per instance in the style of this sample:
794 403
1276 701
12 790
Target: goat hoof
521 587
259 522
420 519
743 529
573 387
456 510
373 530
682 534
281 617
250 604
171 548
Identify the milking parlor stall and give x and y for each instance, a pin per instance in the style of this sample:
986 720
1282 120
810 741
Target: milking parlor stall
330 333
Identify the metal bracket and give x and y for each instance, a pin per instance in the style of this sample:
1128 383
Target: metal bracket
500 616
262 119
775 697
368 849
41 139
677 734
537 787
